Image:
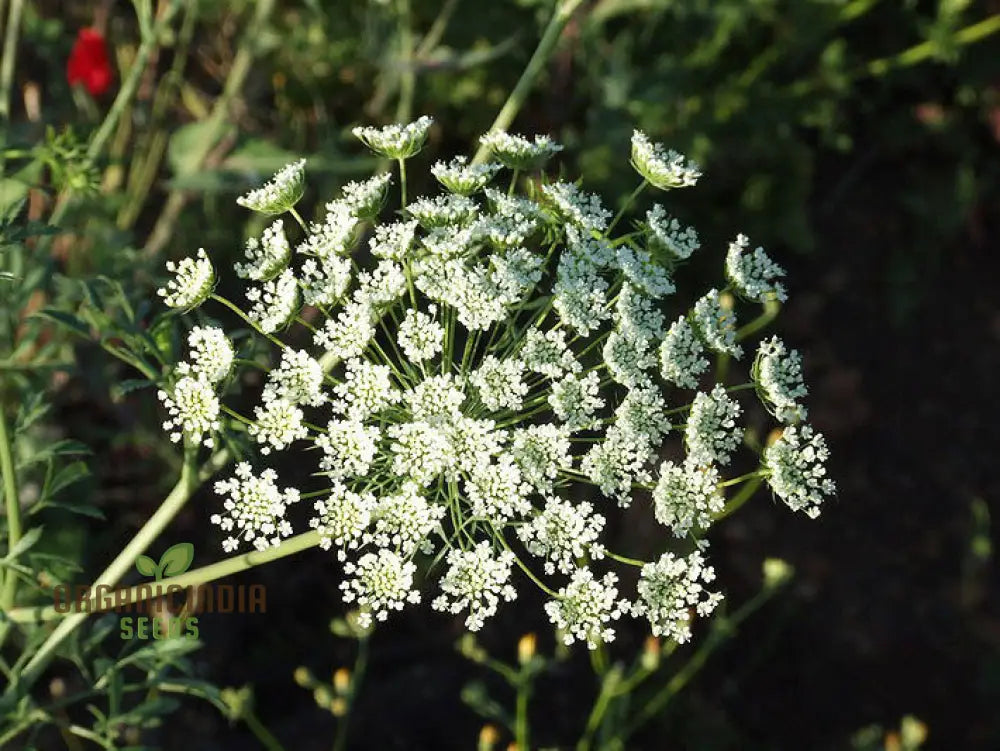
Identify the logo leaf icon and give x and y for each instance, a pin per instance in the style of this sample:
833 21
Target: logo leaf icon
176 559
145 565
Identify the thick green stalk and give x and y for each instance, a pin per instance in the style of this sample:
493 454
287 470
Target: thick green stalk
521 726
153 143
193 578
191 477
408 75
261 733
215 126
12 504
9 56
920 52
150 38
563 12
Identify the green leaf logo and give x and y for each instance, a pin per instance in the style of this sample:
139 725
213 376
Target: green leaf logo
174 561
146 565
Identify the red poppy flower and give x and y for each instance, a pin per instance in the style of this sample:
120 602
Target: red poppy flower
88 62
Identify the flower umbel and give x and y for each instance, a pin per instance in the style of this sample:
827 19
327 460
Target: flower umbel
194 279
476 396
279 194
663 168
396 141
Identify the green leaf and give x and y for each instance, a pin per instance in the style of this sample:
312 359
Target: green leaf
24 544
195 687
188 143
33 229
147 711
123 388
68 475
73 508
258 155
59 448
145 565
176 559
70 321
12 195
29 412
49 559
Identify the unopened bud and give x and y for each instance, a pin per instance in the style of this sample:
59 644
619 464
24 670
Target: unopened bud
526 648
488 736
913 733
342 680
57 688
303 677
650 659
776 572
322 696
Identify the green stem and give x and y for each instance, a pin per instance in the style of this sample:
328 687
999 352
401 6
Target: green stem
402 182
609 685
625 207
357 676
920 52
408 75
233 307
12 504
193 578
298 217
771 309
563 12
722 629
154 141
741 478
624 559
131 82
261 733
521 735
745 494
215 126
433 36
9 56
190 479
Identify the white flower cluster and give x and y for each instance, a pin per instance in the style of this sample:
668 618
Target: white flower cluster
669 236
662 168
396 141
279 194
670 589
476 581
777 373
517 152
255 508
460 177
797 462
459 386
266 257
193 281
754 274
